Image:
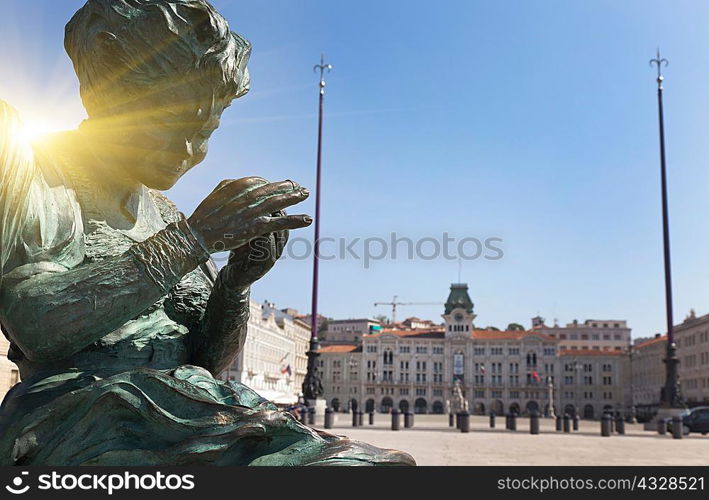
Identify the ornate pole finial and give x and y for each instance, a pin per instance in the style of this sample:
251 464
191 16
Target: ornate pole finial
659 60
322 67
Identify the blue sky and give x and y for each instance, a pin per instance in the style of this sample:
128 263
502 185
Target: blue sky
534 122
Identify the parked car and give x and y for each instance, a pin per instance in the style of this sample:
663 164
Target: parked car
694 420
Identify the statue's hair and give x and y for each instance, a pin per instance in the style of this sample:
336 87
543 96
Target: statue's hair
120 47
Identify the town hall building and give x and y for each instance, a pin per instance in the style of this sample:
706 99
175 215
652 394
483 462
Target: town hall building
518 371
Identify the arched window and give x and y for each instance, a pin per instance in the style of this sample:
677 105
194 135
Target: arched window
420 406
498 407
588 412
403 406
386 405
369 406
532 406
570 410
388 357
335 403
514 408
438 407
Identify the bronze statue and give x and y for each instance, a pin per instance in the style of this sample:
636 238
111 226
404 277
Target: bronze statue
117 317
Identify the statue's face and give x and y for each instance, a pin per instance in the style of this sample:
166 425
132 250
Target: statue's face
164 133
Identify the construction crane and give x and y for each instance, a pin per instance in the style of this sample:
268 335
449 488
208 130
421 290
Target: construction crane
394 304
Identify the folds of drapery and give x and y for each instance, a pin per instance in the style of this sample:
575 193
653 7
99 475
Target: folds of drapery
17 170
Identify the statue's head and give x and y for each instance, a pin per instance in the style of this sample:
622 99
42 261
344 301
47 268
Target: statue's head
155 77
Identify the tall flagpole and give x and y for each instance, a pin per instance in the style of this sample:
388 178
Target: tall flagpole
312 386
671 396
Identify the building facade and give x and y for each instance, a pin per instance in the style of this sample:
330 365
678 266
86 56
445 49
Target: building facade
592 334
347 331
648 368
501 371
692 339
273 361
593 382
647 371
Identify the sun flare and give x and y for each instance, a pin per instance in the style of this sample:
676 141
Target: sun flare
35 128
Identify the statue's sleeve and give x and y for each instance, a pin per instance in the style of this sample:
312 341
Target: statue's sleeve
224 324
52 315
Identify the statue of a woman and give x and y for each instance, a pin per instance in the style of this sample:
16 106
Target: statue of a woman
117 318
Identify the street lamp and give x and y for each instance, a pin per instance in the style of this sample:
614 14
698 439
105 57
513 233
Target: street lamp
671 396
312 386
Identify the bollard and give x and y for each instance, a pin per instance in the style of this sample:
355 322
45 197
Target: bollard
355 418
576 422
677 427
508 425
457 420
513 421
328 418
492 420
395 420
360 418
371 418
605 425
567 422
408 420
534 423
612 422
465 422
451 420
303 415
311 416
620 425
558 422
661 426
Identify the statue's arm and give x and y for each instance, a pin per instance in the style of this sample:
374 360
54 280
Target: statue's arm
52 315
224 324
223 329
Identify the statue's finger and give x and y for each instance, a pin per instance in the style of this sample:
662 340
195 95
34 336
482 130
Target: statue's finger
277 202
287 222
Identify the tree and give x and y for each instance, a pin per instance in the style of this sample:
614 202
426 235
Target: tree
492 328
515 327
323 325
382 319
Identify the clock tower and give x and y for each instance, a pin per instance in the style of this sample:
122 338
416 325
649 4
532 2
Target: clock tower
458 316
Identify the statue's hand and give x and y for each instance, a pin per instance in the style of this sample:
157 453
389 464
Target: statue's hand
252 261
239 211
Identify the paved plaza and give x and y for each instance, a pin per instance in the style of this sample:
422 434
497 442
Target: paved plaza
432 442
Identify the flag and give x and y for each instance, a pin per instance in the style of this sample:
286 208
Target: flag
482 368
285 368
536 376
